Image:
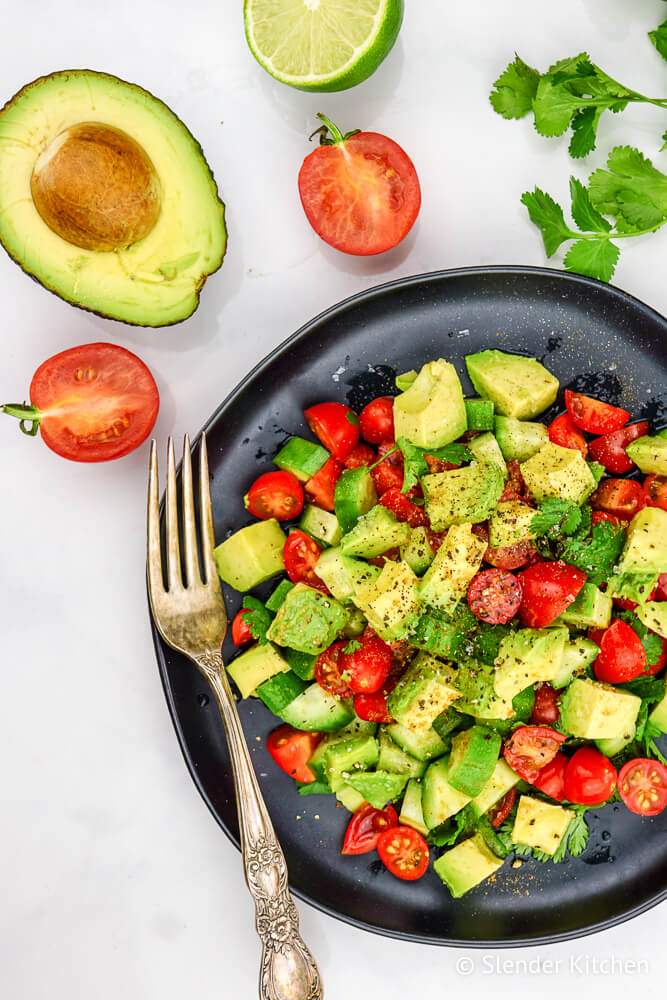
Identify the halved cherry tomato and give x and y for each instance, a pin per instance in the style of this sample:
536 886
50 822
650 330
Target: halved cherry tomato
594 416
403 508
275 494
494 596
545 708
404 852
642 784
368 666
499 813
372 707
622 498
360 455
590 777
601 515
300 554
530 748
241 634
292 749
661 589
376 420
329 672
360 191
322 485
511 556
91 403
336 426
655 491
622 656
364 829
515 487
548 589
610 449
551 779
389 473
564 432
439 464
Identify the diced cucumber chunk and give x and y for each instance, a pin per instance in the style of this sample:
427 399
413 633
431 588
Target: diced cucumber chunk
317 711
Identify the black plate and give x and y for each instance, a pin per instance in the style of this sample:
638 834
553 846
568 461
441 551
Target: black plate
591 336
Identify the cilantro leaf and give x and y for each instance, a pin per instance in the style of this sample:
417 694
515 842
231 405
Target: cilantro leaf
584 132
631 189
352 646
575 839
414 459
587 218
258 618
555 518
649 689
594 258
514 90
650 735
659 38
314 788
548 216
596 555
453 829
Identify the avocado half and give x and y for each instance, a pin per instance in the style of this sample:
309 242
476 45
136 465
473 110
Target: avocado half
106 198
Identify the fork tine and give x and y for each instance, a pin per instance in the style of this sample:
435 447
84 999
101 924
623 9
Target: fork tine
191 558
206 514
153 557
173 549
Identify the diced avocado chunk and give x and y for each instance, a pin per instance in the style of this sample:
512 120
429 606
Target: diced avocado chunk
485 448
374 533
255 666
356 623
501 781
457 560
405 380
412 813
510 523
478 698
658 714
519 386
280 690
578 654
418 552
397 761
558 472
591 608
302 664
440 800
527 656
473 759
343 575
378 787
350 798
447 722
390 602
590 710
645 548
424 744
278 595
460 496
650 454
480 414
307 620
431 412
463 867
541 825
301 457
316 711
519 439
426 688
636 587
612 747
251 555
346 757
654 616
436 633
320 525
354 495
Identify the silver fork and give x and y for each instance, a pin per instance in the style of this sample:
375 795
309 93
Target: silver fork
191 617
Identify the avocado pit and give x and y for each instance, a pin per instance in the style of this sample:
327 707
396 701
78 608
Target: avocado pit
96 187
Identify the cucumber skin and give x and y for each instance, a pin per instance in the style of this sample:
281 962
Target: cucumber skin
477 763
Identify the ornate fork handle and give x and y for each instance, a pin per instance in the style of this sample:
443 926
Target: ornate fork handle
288 970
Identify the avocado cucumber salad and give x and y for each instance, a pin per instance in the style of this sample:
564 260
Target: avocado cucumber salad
466 634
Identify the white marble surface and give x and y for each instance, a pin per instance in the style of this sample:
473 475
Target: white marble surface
115 879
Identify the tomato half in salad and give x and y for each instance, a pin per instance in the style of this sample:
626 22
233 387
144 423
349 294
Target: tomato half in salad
300 554
642 784
367 663
376 420
292 749
336 426
548 589
622 656
594 416
366 827
275 494
619 498
590 777
404 852
610 451
530 748
564 432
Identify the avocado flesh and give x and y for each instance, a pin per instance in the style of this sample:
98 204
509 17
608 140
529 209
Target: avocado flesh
541 825
155 281
466 865
520 387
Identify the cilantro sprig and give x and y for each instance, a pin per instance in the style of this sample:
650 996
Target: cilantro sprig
573 94
596 554
631 191
573 843
258 618
414 459
556 518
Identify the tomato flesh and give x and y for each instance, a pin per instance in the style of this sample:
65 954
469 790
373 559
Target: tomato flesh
404 852
610 448
622 656
403 508
594 416
499 813
241 634
360 455
275 494
368 666
620 498
365 828
376 420
642 784
329 671
590 777
511 557
551 778
336 426
494 596
389 473
292 749
564 432
548 589
300 554
530 748
655 491
545 708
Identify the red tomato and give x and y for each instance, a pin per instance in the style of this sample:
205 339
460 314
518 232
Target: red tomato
439 464
564 431
404 852
360 191
91 403
548 589
329 673
321 487
292 749
622 498
361 455
590 777
241 634
661 589
610 449
372 707
545 709
511 556
530 748
594 416
655 491
300 554
367 667
494 596
275 494
403 508
364 829
642 784
336 426
622 656
389 473
499 813
376 420
551 779
515 487
602 515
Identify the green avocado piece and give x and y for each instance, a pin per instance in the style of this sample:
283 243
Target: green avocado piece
473 759
578 654
527 656
251 555
391 601
255 666
424 744
485 448
144 225
426 688
658 714
650 454
431 412
501 781
462 496
636 587
280 690
418 552
348 756
350 798
558 472
307 620
645 548
590 710
457 560
591 608
653 614
480 414
375 533
510 523
378 787
466 865
278 595
541 825
344 575
519 386
519 439
440 800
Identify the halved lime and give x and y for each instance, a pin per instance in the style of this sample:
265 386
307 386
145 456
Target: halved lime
321 44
